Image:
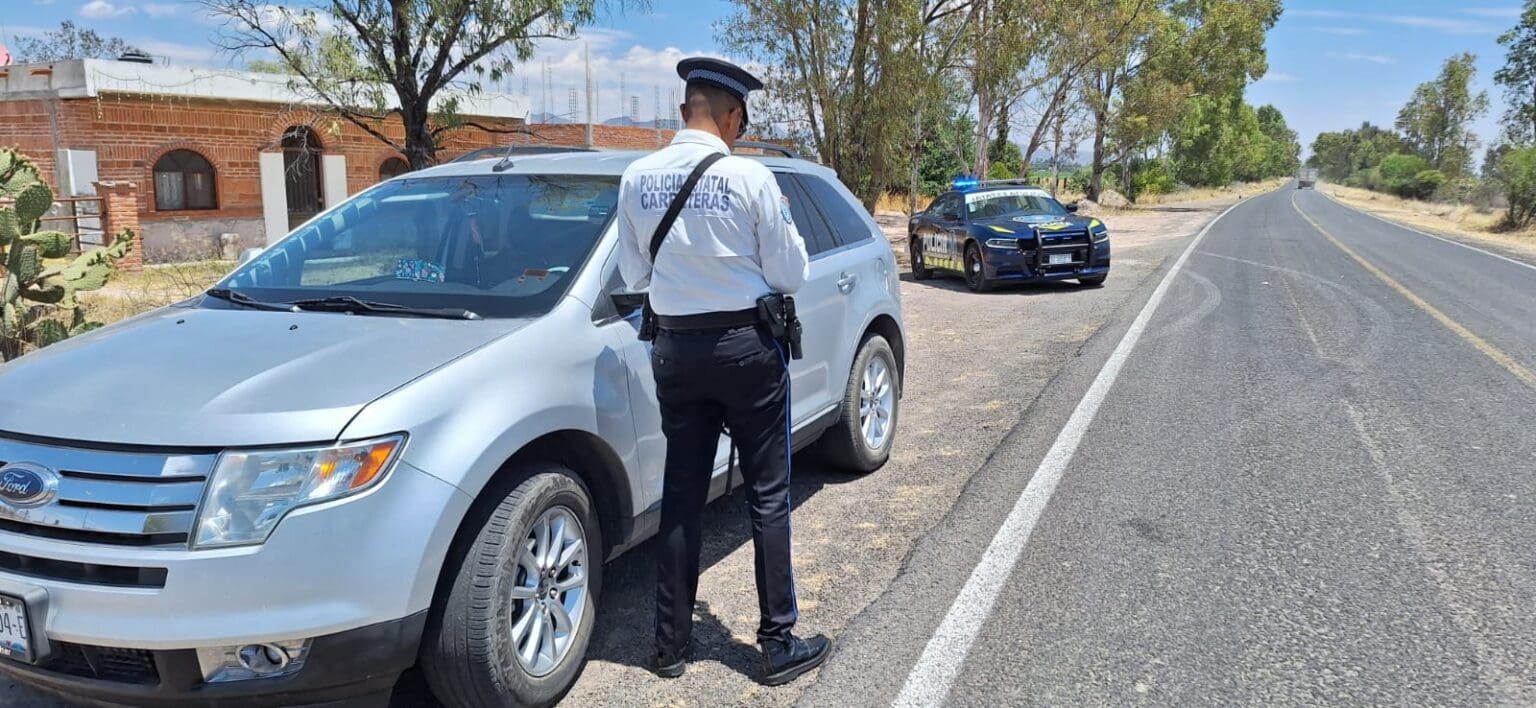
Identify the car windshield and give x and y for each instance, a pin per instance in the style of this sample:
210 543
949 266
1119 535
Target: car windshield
1013 202
498 245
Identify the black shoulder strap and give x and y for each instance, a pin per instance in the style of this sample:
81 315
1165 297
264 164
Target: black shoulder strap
676 207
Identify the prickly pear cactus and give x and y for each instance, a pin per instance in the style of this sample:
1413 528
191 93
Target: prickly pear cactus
37 296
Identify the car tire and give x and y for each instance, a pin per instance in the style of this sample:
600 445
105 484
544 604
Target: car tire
920 269
847 444
976 270
1094 282
474 653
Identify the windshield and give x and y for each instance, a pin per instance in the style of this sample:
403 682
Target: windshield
1013 202
499 245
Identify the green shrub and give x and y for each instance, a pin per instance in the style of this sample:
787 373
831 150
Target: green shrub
1517 171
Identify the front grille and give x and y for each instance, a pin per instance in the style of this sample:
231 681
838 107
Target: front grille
135 666
107 497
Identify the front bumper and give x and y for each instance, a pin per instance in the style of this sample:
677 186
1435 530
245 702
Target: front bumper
354 668
1011 264
362 567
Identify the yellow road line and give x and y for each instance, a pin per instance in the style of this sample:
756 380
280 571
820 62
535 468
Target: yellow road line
1483 345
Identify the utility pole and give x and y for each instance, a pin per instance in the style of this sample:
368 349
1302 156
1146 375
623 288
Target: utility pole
587 51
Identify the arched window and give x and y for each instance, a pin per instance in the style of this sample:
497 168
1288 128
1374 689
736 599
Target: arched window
393 167
184 180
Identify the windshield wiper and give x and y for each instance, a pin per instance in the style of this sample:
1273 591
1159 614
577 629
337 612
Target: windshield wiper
348 303
240 298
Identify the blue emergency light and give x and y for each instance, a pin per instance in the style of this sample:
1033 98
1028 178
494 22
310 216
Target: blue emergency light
964 183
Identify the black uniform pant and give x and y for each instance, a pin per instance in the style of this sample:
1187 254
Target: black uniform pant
738 379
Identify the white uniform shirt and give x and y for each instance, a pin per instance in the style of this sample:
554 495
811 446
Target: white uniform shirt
733 242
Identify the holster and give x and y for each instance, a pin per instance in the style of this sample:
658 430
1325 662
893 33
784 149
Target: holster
647 321
777 313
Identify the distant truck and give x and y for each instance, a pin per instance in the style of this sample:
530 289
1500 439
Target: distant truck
1306 178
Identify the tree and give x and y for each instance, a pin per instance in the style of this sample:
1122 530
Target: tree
1342 154
1283 156
1163 52
1218 140
1518 78
1436 121
69 42
849 77
370 60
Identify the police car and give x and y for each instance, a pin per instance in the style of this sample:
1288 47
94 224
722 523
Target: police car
1006 231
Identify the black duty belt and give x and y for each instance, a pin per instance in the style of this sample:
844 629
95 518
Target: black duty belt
708 321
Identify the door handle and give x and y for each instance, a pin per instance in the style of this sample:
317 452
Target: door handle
846 282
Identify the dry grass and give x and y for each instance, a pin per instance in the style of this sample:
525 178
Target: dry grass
1465 223
128 294
1412 211
1204 194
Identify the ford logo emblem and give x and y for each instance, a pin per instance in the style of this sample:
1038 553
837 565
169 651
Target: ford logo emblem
25 485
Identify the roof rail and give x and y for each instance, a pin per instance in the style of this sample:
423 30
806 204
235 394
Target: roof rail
768 147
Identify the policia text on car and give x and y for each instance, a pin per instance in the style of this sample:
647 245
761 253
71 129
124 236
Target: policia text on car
719 265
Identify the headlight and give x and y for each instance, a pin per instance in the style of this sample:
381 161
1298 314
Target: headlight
1100 234
1002 243
253 490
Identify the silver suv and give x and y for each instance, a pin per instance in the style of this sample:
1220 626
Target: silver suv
414 429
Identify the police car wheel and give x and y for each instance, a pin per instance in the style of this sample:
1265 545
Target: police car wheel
518 597
865 431
920 269
1094 282
975 270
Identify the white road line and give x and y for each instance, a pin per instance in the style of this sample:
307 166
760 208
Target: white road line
1453 242
935 672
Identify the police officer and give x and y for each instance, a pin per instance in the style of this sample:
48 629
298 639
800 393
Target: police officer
716 365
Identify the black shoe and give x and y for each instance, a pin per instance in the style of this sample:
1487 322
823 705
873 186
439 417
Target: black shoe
671 665
784 661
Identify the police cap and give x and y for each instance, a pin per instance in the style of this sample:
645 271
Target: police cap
721 74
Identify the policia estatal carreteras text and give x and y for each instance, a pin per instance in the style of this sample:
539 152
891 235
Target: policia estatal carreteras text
718 278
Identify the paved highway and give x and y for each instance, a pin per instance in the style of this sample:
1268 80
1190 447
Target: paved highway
1304 473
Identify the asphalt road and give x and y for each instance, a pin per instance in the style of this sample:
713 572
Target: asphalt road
1310 483
1304 485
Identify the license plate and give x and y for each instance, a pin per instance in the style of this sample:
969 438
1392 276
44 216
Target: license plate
15 636
1059 259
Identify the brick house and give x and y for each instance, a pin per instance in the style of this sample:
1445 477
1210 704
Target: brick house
211 152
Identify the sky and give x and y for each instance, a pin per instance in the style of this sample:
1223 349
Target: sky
1332 64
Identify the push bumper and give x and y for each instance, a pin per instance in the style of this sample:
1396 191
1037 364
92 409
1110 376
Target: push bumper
1033 265
353 668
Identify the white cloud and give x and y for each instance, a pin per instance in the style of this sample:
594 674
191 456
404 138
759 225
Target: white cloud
155 9
1328 14
104 9
1448 25
648 75
1357 56
1499 12
1334 30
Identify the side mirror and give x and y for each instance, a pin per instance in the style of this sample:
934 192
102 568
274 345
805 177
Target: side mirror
952 216
249 255
1072 208
627 302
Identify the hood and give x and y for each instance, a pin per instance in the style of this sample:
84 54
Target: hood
184 377
1071 223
